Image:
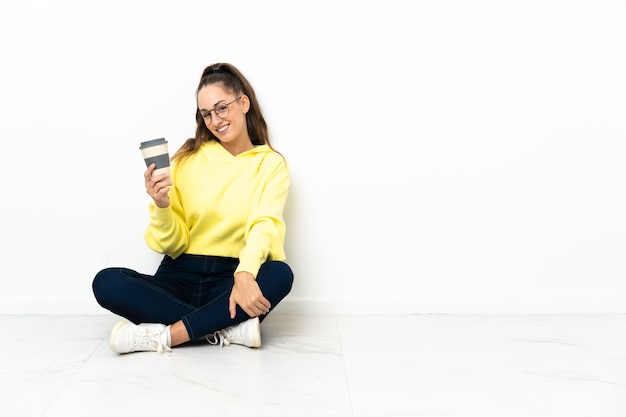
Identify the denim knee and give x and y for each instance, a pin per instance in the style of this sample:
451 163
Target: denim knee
102 286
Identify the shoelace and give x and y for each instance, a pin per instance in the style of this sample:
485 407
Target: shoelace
218 337
152 339
163 349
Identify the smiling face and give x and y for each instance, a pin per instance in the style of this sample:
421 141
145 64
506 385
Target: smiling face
224 114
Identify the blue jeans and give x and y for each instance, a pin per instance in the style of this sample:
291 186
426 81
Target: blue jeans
191 288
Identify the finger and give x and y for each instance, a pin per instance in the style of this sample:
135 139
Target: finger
265 303
255 309
162 191
148 172
232 307
147 177
162 178
262 308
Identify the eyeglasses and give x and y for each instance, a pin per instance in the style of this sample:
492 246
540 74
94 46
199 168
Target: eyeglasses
221 110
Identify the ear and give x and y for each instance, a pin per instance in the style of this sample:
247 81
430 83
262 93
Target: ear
245 103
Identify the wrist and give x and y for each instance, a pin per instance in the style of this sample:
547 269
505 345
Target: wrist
244 275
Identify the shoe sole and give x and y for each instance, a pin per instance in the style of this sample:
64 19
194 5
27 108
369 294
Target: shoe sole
114 333
256 334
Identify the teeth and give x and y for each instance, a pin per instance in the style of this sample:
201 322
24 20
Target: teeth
222 129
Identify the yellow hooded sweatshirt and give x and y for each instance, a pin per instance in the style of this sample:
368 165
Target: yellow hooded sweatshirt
224 205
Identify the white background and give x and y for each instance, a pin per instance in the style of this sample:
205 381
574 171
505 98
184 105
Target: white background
446 156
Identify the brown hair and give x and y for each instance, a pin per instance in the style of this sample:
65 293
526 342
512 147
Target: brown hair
232 80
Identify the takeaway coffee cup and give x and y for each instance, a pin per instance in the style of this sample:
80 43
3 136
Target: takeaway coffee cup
155 152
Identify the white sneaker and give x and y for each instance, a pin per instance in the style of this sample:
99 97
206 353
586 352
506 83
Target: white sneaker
247 333
127 337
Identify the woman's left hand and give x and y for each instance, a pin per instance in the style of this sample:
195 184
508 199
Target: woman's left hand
247 294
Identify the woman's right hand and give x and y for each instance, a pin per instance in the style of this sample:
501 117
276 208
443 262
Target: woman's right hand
158 187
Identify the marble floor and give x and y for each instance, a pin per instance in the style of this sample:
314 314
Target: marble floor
325 365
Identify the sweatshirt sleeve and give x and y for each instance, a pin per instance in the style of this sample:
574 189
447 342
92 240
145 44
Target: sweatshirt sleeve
167 232
265 229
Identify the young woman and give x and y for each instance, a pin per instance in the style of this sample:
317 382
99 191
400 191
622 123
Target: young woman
218 219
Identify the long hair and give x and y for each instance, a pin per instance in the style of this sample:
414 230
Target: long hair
232 80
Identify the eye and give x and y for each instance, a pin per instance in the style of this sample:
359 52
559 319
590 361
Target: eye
206 115
221 108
